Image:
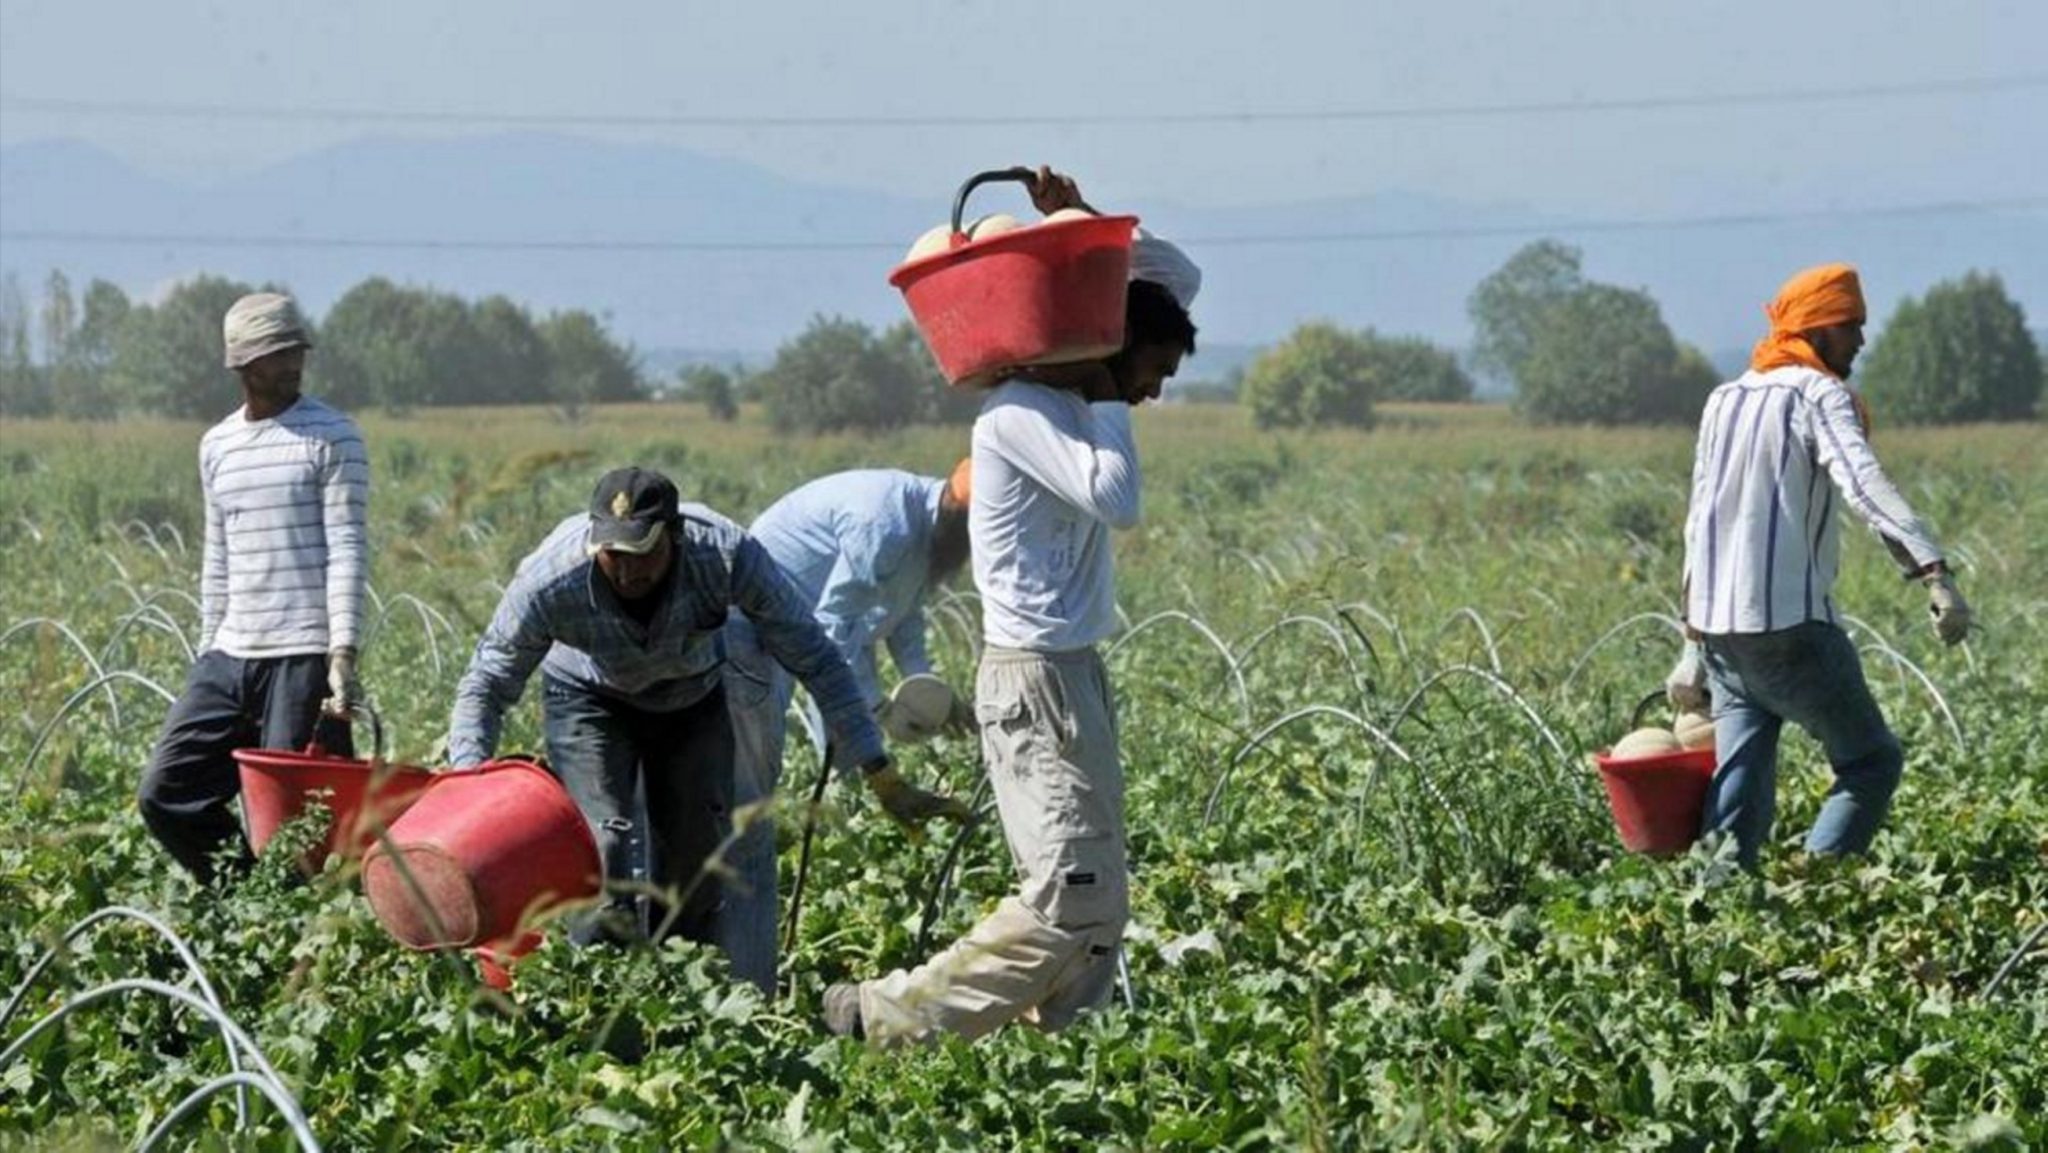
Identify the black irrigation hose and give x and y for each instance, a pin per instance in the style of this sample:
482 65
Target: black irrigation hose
929 915
2013 961
803 861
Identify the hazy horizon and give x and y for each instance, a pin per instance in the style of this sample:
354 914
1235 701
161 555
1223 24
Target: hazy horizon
1235 125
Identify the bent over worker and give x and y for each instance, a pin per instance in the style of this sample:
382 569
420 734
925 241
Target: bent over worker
621 609
1055 470
286 483
864 548
1782 450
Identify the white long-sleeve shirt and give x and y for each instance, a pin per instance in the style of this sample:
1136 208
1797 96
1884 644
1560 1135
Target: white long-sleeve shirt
1778 453
286 556
1052 475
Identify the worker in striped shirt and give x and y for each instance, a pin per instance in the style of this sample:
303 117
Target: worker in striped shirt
286 484
620 610
1782 451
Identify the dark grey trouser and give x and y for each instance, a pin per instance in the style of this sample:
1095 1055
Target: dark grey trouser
610 755
188 791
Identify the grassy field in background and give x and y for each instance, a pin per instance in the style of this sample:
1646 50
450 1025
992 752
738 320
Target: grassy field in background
1378 901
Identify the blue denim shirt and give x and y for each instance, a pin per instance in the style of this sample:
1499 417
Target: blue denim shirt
560 609
857 545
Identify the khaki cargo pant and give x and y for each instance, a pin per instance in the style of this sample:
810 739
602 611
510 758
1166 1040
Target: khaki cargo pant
1048 736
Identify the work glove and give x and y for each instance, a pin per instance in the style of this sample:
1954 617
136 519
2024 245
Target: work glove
344 691
911 807
1686 687
1946 605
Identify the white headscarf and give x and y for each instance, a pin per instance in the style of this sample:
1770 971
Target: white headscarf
1165 265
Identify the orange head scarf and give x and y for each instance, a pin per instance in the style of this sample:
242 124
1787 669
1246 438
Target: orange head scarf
1816 298
960 485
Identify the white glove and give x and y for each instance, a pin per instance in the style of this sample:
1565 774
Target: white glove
344 691
1946 605
1686 687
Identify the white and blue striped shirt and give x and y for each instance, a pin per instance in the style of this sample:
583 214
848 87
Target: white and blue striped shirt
560 614
287 556
1778 452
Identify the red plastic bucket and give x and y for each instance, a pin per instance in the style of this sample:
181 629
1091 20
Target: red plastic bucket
1044 294
363 797
490 848
1657 800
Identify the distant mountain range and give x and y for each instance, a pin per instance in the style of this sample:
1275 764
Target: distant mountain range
586 210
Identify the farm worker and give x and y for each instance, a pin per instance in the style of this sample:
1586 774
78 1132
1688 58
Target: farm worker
1055 469
621 609
286 483
864 549
1781 450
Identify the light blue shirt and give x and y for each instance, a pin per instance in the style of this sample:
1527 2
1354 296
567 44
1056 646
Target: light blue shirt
560 609
858 546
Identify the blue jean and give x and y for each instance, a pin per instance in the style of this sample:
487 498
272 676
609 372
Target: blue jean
668 773
1811 675
189 788
758 691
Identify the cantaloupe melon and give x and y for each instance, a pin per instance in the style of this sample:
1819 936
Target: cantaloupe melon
933 242
1694 730
1650 742
994 224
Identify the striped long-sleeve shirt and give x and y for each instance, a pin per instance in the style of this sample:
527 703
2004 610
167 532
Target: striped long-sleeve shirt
287 555
1780 453
559 609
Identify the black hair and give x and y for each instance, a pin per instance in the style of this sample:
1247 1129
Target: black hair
951 545
1153 316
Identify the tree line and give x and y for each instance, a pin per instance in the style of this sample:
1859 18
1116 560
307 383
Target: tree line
100 355
1582 352
1577 351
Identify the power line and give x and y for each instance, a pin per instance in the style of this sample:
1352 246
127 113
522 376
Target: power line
157 110
1464 232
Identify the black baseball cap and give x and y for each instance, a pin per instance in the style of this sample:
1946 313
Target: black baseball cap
629 510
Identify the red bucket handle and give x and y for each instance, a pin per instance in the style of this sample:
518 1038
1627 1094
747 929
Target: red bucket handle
1018 175
1635 719
347 716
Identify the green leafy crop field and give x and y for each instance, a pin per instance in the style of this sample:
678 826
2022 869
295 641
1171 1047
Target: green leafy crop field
1378 899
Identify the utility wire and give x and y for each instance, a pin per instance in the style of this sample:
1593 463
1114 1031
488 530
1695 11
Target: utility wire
166 110
599 245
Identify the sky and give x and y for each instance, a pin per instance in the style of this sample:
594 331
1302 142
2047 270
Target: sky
1108 73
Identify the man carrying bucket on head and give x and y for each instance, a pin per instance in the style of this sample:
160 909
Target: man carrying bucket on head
286 484
621 609
864 548
1055 469
1779 448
